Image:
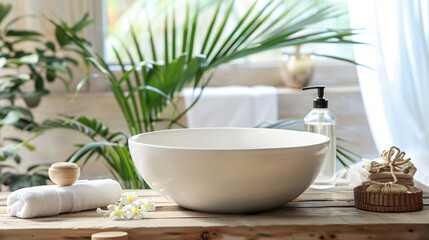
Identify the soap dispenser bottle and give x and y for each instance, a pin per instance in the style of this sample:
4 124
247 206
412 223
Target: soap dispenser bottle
320 120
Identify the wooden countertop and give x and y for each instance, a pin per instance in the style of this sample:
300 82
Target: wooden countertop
316 214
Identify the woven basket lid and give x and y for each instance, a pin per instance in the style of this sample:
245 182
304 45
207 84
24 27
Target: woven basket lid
388 202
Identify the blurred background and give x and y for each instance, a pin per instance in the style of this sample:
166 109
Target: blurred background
113 21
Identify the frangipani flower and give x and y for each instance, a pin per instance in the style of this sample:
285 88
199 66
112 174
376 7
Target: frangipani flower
115 212
130 207
128 197
133 211
148 205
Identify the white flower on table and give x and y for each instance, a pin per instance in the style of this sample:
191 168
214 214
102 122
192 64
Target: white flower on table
148 205
133 211
130 207
115 212
128 197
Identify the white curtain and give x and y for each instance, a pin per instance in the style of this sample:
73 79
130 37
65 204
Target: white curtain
396 93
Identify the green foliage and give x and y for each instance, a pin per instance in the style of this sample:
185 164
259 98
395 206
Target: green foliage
19 117
35 176
22 66
344 156
38 65
89 127
112 147
145 90
22 119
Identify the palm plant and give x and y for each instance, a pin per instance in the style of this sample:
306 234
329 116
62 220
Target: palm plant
112 147
150 85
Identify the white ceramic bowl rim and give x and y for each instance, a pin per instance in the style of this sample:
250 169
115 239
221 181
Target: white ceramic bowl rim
317 139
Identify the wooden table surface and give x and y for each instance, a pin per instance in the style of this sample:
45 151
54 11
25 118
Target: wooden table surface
316 214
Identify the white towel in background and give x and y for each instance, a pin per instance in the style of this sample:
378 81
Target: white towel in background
52 199
231 106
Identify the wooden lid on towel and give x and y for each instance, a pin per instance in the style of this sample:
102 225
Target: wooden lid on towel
64 165
116 235
64 173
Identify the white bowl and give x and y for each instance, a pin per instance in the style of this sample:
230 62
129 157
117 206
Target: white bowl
229 170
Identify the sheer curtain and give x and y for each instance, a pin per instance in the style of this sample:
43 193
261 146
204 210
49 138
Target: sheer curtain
396 93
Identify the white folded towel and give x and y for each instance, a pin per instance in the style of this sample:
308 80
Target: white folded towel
52 199
231 106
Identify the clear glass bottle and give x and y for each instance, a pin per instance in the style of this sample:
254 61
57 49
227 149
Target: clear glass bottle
320 120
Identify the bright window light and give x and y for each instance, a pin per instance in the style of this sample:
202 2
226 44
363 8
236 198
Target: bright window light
122 14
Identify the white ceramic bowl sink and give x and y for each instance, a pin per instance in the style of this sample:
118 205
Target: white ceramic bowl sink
229 170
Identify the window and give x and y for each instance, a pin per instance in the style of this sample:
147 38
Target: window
122 12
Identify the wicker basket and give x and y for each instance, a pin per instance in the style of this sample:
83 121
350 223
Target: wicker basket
388 202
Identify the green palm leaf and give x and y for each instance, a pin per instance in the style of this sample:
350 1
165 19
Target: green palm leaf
92 128
343 155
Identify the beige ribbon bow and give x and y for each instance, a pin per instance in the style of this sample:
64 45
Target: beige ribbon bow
393 161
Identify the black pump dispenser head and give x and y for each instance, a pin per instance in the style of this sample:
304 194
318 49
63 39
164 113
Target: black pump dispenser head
320 101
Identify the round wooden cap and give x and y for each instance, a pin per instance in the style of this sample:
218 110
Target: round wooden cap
64 165
110 236
64 173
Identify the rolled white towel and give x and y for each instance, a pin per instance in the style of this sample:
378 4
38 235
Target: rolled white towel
52 200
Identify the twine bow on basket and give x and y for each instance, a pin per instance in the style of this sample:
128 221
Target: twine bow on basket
393 161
